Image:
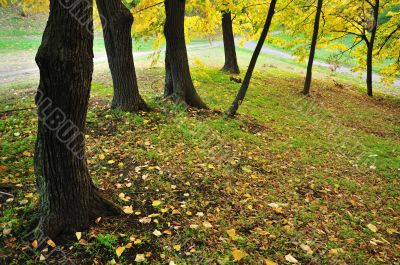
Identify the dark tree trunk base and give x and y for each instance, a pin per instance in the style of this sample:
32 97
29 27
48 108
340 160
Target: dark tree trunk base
117 23
231 66
178 81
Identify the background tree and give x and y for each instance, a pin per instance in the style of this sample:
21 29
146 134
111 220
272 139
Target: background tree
231 64
359 21
117 23
178 82
68 198
246 82
307 83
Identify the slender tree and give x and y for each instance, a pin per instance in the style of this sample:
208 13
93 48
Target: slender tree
307 84
246 82
370 44
179 85
231 64
358 19
117 22
68 198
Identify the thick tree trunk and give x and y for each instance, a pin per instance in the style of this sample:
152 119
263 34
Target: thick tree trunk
231 64
68 198
307 84
370 45
246 82
117 23
177 64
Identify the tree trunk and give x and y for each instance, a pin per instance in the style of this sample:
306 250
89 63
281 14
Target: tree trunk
246 82
117 23
370 45
68 198
231 64
177 64
307 84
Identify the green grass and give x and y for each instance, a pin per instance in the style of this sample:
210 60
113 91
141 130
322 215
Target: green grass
230 170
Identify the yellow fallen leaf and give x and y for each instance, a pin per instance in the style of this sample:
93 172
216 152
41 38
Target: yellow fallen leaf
307 249
372 227
35 244
207 224
270 262
392 231
129 245
177 247
238 254
156 203
291 259
51 243
78 235
127 209
102 157
119 251
232 234
140 258
110 162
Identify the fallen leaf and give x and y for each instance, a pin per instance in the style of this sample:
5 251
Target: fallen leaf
140 258
128 209
157 233
6 231
307 249
119 251
156 203
238 254
290 259
232 234
78 235
51 243
207 224
35 244
372 227
177 247
270 262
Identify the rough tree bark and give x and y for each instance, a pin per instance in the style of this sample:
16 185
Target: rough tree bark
231 64
68 198
117 22
177 66
246 82
307 84
370 45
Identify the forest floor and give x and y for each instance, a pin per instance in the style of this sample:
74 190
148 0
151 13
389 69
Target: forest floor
313 180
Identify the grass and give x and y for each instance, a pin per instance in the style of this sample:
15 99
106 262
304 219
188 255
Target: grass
331 160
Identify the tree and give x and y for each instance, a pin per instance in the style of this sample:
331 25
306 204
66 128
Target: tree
68 198
231 64
358 19
246 82
117 21
178 82
307 83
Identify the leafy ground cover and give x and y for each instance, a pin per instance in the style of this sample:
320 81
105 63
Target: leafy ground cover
309 179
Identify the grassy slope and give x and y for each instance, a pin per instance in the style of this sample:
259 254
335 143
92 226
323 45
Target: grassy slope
320 164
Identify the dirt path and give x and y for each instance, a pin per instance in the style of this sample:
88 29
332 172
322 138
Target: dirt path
19 67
